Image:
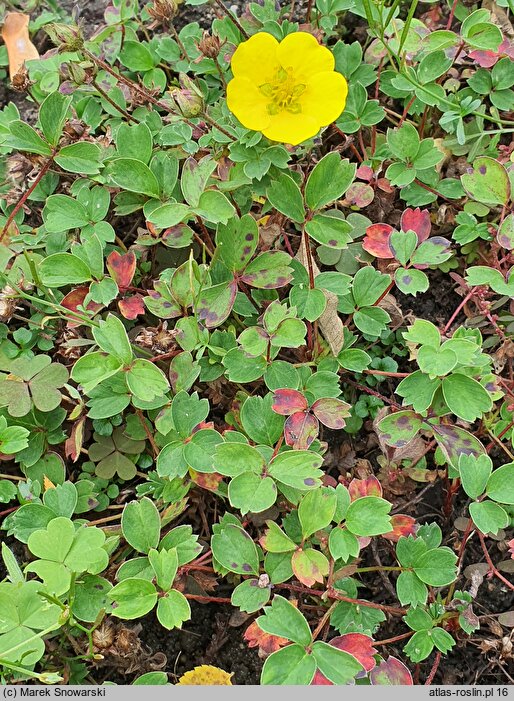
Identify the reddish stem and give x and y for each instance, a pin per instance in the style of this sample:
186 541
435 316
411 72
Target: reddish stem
456 312
452 13
491 564
332 594
207 599
26 195
434 669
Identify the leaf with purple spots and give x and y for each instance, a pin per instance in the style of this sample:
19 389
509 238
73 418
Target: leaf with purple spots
330 230
300 429
161 303
487 182
178 236
412 281
236 242
433 251
309 566
269 271
505 235
215 303
391 672
398 429
298 469
331 412
288 401
360 195
455 441
234 549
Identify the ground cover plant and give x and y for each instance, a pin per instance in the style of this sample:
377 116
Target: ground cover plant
256 343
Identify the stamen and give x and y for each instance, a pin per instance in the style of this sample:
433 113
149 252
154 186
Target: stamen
283 92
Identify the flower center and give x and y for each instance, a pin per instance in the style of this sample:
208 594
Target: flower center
283 91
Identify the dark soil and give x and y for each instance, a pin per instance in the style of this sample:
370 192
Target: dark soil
437 304
208 638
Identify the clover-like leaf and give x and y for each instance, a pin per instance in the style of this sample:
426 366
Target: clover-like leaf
32 382
110 454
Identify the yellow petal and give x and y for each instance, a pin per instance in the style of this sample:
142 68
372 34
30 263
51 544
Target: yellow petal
249 105
291 128
256 59
301 52
325 97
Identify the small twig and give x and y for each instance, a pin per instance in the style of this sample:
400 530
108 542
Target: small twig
155 449
113 104
26 195
396 639
232 18
434 669
491 563
324 619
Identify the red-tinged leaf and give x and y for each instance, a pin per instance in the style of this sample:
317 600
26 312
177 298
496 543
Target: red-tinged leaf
359 195
384 185
132 307
359 646
203 425
331 412
309 566
178 236
288 401
75 299
485 59
403 525
75 441
356 644
364 173
369 487
320 680
121 268
376 240
364 541
267 643
210 481
391 672
300 430
417 220
511 548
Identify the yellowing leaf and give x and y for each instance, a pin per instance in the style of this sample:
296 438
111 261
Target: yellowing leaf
206 675
15 34
47 484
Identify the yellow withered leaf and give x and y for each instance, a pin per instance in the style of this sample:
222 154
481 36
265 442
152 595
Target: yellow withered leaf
15 33
206 675
47 484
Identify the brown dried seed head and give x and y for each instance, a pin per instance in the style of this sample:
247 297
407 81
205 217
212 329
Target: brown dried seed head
209 45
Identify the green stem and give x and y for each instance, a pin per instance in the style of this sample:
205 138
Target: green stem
36 636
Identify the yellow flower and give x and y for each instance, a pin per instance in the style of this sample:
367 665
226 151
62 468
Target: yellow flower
206 675
287 90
